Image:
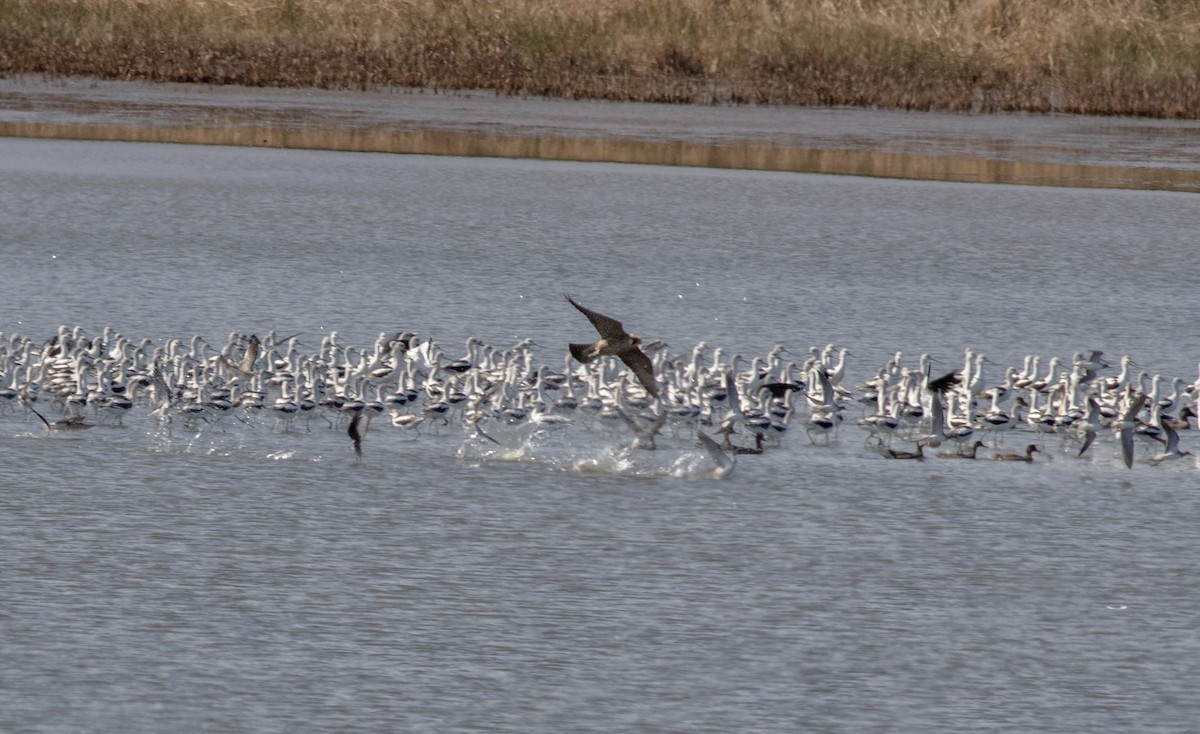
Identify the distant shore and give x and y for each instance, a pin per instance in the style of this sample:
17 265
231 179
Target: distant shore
1046 150
1094 57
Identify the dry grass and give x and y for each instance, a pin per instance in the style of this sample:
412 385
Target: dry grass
1132 57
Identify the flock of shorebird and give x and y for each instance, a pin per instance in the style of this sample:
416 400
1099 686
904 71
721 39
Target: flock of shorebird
500 395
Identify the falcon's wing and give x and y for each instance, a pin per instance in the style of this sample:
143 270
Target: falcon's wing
608 328
636 360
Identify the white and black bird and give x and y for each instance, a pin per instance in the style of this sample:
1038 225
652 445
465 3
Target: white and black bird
245 367
725 464
644 434
1128 425
1172 447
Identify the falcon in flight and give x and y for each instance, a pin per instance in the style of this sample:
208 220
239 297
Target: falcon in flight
617 342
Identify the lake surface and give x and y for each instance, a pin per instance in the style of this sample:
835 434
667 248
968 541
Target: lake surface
255 579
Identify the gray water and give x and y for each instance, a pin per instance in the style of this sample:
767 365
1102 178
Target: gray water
262 580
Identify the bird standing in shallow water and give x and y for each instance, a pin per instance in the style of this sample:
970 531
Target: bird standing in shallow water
617 342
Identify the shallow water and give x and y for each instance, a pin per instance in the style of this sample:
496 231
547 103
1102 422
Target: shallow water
257 579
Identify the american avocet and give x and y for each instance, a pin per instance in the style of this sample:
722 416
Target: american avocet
245 366
644 434
725 464
1128 423
1171 436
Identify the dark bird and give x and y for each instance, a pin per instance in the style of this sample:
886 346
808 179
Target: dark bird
74 423
1182 422
1095 359
781 389
757 449
969 454
918 455
945 382
404 338
617 342
357 431
1026 457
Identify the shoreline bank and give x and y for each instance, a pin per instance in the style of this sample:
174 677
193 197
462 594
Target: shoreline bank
1012 149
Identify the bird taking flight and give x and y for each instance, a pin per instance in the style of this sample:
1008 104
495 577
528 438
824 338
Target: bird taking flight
617 342
74 423
357 432
724 463
246 366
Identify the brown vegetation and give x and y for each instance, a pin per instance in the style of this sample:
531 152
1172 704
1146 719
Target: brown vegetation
1130 57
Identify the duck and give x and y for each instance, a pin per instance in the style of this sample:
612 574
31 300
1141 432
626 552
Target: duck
967 454
757 449
1026 457
918 455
